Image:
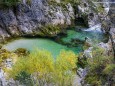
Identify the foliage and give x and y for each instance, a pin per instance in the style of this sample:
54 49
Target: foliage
1 46
101 69
24 78
9 3
64 2
28 2
100 9
43 69
65 62
71 1
4 54
49 30
82 61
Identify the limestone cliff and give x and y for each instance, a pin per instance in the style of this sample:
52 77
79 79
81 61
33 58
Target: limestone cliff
30 18
112 26
27 19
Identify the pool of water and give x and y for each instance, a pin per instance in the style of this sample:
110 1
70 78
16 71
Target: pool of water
52 46
34 43
95 36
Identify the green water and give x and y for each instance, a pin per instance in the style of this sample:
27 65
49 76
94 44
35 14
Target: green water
50 45
39 43
96 37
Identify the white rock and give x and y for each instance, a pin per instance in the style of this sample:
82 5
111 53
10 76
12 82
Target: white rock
88 53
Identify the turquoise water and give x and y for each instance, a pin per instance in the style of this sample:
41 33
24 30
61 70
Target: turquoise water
96 37
50 45
39 43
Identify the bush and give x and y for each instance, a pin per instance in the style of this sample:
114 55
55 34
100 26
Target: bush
1 46
9 3
101 69
24 78
49 30
4 54
43 69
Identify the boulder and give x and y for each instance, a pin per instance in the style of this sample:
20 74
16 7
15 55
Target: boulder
88 53
88 41
21 52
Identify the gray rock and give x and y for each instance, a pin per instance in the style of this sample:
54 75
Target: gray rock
88 41
88 53
27 19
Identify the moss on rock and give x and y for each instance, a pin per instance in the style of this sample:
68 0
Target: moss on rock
49 30
21 52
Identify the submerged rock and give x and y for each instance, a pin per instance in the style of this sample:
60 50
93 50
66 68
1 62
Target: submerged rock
21 52
77 41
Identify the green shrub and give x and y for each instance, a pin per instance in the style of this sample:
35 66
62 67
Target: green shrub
4 54
49 30
101 69
9 3
24 78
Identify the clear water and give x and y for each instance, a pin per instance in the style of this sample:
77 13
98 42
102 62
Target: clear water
50 45
95 36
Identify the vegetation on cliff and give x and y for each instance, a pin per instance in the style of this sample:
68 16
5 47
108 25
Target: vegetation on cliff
9 3
101 69
49 30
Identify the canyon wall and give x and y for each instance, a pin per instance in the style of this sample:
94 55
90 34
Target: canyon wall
30 18
27 19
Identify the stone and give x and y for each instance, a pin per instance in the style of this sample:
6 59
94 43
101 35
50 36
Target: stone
27 20
21 52
88 41
88 53
58 1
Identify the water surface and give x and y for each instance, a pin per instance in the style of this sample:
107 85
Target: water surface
52 46
95 36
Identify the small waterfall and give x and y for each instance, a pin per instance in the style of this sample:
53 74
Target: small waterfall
96 28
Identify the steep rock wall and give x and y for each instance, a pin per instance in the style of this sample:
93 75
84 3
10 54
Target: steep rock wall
27 19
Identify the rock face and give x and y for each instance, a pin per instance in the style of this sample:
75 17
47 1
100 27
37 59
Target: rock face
27 19
86 11
111 42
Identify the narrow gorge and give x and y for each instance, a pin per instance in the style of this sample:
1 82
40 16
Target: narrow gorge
57 42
